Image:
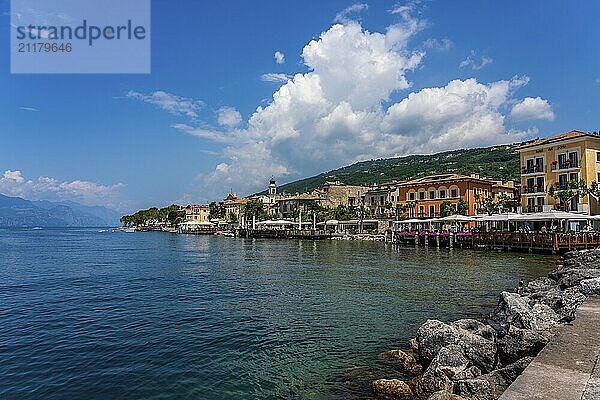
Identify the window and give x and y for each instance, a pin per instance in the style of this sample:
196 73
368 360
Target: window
598 156
539 184
562 181
562 160
432 211
598 177
431 194
529 164
574 159
421 211
411 196
442 194
453 193
574 176
421 195
539 161
530 184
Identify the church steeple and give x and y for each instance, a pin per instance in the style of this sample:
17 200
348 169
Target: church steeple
272 187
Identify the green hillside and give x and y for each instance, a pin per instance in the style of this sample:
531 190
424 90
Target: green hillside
493 162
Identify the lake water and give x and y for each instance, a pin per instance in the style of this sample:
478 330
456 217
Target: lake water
92 314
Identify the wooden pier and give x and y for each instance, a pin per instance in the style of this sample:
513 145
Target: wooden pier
539 242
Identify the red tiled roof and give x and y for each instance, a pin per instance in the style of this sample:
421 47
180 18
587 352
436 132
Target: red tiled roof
556 138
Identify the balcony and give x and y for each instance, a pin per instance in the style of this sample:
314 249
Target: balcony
534 209
532 189
556 166
536 169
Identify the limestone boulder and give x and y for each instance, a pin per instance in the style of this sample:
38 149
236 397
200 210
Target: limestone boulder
590 286
519 343
569 277
451 360
518 311
402 361
443 395
433 335
491 386
391 389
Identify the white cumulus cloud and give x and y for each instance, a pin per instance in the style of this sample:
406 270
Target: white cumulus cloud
13 183
532 108
438 44
169 102
279 57
275 77
229 117
475 62
343 16
339 111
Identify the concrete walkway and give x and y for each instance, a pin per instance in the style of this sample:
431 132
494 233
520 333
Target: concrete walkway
568 367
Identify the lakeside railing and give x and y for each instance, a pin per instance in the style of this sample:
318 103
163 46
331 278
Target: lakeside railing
549 241
530 241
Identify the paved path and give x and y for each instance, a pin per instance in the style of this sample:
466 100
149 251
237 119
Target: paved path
568 368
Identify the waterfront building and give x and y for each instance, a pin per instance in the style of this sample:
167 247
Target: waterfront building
382 200
234 207
291 206
336 193
555 161
430 193
197 213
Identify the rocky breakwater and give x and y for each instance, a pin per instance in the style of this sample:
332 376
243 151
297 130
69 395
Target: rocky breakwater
470 359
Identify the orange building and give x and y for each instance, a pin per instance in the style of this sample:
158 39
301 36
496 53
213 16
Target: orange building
431 191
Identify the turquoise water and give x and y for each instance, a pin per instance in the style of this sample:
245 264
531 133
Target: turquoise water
92 314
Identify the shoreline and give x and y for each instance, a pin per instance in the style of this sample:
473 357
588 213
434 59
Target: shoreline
473 360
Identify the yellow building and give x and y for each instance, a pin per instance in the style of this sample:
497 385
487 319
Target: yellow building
197 213
555 161
234 207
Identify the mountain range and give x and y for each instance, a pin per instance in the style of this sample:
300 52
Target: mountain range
501 162
18 212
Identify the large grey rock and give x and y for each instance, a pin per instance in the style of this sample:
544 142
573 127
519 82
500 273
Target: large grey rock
582 259
590 286
519 343
433 380
563 302
516 310
450 360
475 327
392 389
443 395
569 277
542 284
433 335
469 373
402 361
491 386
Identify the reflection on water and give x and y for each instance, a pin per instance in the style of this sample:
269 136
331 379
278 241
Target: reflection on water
97 315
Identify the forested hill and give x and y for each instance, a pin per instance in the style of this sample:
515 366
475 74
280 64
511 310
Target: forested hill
494 162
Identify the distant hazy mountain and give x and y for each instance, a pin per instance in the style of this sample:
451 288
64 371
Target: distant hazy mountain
17 212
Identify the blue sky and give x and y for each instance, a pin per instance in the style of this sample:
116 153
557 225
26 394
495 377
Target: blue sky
389 79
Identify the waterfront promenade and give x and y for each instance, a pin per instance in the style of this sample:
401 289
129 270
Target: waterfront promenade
568 367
